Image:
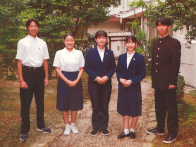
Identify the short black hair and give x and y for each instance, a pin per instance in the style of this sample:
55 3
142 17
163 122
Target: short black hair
68 34
29 22
132 37
101 33
164 21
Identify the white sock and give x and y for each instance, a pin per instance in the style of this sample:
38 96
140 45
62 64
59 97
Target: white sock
132 130
67 126
126 131
73 124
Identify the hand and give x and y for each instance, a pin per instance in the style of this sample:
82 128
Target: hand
128 83
23 85
105 78
46 82
123 81
172 86
100 80
74 83
69 83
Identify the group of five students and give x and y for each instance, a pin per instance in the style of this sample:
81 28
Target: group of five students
99 64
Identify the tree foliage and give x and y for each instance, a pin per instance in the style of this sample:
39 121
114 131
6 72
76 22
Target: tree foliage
56 17
182 12
9 12
9 32
144 46
69 15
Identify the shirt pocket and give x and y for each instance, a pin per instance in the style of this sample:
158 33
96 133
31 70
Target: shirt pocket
40 50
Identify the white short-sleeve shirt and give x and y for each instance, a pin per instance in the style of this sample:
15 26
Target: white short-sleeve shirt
69 61
32 51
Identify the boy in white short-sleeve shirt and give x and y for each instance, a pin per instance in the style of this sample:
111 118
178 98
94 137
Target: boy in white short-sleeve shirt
32 66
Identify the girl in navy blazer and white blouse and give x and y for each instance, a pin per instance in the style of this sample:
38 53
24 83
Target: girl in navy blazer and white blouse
100 66
130 71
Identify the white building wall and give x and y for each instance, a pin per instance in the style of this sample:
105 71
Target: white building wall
124 6
117 47
108 27
188 58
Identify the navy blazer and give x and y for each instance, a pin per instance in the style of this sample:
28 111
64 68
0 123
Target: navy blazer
136 70
95 67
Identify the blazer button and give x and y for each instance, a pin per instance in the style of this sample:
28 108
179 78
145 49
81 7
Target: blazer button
156 70
158 48
160 41
157 55
157 63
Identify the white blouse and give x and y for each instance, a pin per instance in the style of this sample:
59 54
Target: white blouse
69 61
129 57
101 53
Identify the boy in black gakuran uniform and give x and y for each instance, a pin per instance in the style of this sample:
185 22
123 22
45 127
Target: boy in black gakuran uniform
165 69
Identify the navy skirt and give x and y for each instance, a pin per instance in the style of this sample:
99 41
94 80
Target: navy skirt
129 100
69 98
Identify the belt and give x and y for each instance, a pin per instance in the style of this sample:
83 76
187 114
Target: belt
35 68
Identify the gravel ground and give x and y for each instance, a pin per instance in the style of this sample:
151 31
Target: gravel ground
115 127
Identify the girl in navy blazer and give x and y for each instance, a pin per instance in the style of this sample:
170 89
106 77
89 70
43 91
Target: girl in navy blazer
130 71
100 66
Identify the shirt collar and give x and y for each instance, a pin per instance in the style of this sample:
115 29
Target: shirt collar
72 51
32 38
103 50
164 37
130 55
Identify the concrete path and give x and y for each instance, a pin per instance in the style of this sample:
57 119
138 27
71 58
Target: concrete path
83 123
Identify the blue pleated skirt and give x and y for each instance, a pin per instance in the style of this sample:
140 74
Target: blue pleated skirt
69 98
129 100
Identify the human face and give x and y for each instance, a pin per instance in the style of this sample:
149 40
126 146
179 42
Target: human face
163 29
69 42
33 29
101 41
130 45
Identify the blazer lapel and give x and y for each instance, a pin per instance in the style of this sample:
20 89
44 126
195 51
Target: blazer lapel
97 54
106 56
132 60
124 60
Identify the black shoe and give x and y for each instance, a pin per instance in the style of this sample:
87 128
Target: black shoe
24 136
169 139
94 132
132 135
154 131
105 132
45 130
123 135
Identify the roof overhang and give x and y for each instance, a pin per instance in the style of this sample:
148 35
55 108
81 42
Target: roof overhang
131 13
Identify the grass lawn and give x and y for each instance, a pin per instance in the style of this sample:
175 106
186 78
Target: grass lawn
10 121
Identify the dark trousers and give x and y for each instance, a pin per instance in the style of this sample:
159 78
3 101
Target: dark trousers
165 100
35 81
100 98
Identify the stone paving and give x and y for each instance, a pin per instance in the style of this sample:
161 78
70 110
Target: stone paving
83 123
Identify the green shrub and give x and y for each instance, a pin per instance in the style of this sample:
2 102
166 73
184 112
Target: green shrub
180 86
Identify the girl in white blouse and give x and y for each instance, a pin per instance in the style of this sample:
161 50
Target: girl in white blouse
69 65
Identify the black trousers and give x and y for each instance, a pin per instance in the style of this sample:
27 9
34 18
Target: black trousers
165 100
35 81
100 98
